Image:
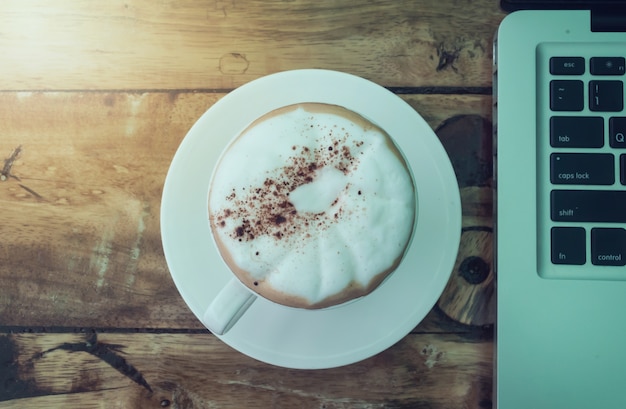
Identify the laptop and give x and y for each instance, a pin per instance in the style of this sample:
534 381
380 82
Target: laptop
560 192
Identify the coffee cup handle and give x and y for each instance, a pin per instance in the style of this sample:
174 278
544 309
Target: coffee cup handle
230 304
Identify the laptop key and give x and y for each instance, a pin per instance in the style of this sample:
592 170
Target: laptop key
607 65
617 132
600 206
567 95
622 165
582 168
567 65
606 96
576 132
608 246
568 245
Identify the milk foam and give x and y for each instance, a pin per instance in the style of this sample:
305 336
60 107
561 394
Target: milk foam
318 195
310 202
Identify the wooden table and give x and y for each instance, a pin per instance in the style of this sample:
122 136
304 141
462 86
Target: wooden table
95 98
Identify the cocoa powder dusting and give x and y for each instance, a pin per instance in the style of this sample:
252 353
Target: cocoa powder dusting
266 210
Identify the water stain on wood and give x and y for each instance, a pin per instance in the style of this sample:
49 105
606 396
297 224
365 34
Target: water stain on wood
234 64
5 173
172 96
12 386
7 170
447 57
432 355
109 353
31 191
110 100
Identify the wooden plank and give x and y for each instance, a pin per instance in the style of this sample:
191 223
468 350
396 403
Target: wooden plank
80 240
222 44
184 371
85 249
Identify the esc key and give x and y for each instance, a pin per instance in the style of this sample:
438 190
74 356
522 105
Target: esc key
567 65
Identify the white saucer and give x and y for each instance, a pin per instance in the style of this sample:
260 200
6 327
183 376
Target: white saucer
338 336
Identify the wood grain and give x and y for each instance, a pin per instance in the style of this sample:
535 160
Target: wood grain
95 98
81 246
199 371
221 44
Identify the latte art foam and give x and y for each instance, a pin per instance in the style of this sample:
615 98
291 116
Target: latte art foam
312 205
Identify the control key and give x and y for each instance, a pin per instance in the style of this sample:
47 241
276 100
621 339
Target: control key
608 246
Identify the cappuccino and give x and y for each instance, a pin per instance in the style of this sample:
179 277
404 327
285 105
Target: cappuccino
312 205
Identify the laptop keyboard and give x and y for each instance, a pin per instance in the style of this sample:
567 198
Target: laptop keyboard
583 155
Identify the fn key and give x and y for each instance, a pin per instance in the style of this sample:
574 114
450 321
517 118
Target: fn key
568 245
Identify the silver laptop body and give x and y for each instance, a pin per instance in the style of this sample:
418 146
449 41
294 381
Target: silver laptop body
560 191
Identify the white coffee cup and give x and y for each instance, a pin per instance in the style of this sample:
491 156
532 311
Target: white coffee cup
230 304
322 187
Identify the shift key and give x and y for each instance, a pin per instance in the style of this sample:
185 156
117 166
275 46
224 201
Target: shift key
598 206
